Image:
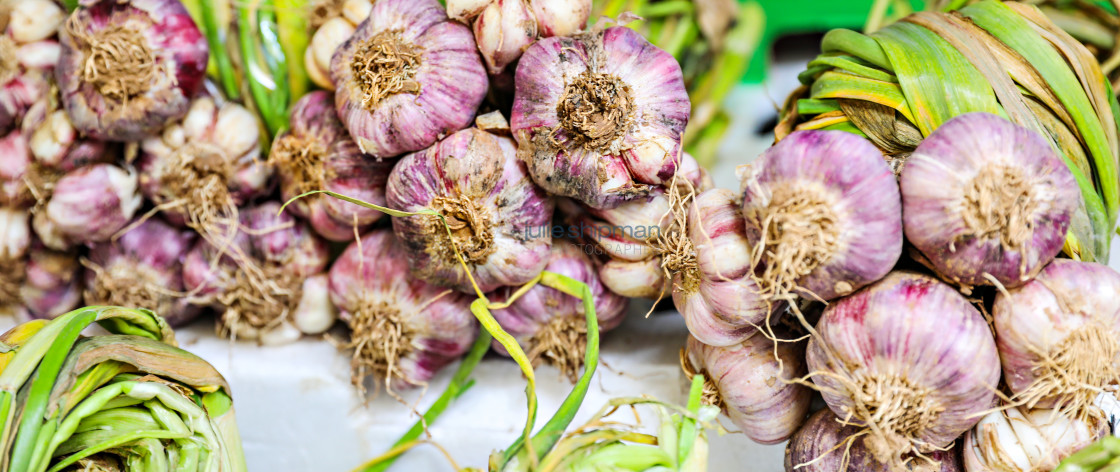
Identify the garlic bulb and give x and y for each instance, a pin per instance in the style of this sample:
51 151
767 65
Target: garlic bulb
755 384
504 28
129 67
52 283
403 330
1059 336
909 358
495 212
598 116
550 325
257 277
316 153
199 170
88 205
142 269
984 198
1027 440
823 215
715 291
406 77
826 444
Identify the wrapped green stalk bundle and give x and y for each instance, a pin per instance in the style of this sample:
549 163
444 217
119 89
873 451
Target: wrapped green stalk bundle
898 85
126 401
1104 455
713 40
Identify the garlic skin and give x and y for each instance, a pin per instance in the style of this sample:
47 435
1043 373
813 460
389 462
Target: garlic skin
258 275
407 77
598 116
1059 336
495 211
316 153
315 313
88 205
828 206
143 269
820 446
550 325
915 352
211 159
717 295
1027 440
52 285
403 330
1002 203
121 97
752 388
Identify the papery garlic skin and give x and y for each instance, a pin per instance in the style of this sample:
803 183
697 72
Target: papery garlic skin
503 30
88 205
52 284
1027 440
984 198
1059 336
121 97
258 278
915 352
760 395
828 205
821 445
210 158
316 153
428 86
550 325
499 218
634 105
143 269
404 330
717 296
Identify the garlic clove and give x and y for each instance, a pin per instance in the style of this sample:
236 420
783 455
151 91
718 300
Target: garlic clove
51 140
34 20
198 122
561 17
320 76
465 10
284 333
327 39
503 30
643 279
315 313
39 54
236 130
356 11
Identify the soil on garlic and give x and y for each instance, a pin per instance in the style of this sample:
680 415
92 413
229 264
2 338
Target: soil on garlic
379 338
118 61
596 109
471 231
800 232
385 65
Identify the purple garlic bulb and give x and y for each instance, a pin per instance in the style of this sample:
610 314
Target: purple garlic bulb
52 283
201 169
826 444
129 67
257 277
496 214
987 199
1059 337
715 291
505 28
754 383
823 215
598 116
402 329
88 205
407 77
142 269
318 154
909 358
550 325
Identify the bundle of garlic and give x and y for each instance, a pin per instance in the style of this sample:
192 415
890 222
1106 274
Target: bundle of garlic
267 281
503 29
